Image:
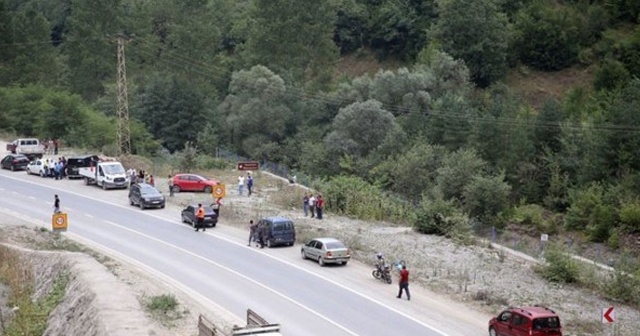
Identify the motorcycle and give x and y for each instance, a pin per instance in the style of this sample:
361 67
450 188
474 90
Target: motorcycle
382 271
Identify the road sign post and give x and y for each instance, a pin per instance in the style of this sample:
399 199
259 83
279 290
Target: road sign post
59 222
607 315
248 165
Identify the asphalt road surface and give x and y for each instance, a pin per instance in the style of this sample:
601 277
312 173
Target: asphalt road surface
304 298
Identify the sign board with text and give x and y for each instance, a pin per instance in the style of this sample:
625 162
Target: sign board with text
249 165
59 222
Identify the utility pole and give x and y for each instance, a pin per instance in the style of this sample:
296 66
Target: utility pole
124 132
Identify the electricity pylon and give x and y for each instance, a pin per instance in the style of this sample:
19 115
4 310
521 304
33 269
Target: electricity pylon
124 132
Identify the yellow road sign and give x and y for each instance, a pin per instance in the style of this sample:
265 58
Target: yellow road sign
219 191
59 222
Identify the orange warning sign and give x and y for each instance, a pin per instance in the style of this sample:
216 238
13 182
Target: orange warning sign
59 222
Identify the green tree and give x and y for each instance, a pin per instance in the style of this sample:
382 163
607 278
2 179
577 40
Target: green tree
548 36
457 170
359 128
256 114
293 38
477 32
173 109
486 197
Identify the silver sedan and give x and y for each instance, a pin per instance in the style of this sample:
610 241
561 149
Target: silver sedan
326 251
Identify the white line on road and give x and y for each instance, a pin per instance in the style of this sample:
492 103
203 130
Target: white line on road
88 215
234 242
233 272
31 197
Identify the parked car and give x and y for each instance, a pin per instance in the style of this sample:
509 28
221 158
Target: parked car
14 162
35 167
76 162
145 196
277 231
192 182
531 321
326 251
210 215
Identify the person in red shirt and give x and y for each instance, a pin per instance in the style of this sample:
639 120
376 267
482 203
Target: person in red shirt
404 283
319 207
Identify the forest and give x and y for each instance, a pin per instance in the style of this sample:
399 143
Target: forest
439 139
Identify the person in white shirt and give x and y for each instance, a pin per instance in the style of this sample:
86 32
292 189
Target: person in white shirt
240 184
312 205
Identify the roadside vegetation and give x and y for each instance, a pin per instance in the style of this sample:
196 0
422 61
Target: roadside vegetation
164 308
30 318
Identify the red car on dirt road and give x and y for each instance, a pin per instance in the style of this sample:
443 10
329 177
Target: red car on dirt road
192 182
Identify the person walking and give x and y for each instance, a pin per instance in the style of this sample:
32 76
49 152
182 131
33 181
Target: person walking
56 204
249 184
170 182
319 207
403 284
305 204
312 205
152 181
200 218
252 231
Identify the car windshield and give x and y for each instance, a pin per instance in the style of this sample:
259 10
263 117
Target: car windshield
148 190
113 169
546 322
334 245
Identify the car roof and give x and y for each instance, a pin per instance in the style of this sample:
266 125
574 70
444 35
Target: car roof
83 156
278 219
535 311
326 240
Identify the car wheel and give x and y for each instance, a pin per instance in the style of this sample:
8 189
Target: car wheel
304 255
208 189
269 243
344 263
41 173
13 168
162 206
492 331
142 205
104 186
86 181
176 189
321 261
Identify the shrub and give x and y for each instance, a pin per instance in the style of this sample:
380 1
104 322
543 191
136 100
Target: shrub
583 202
611 75
630 216
486 197
442 218
529 215
187 158
162 303
206 162
558 267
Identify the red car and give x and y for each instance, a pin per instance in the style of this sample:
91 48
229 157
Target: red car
192 182
526 321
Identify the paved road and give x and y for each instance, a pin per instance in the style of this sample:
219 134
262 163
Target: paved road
221 268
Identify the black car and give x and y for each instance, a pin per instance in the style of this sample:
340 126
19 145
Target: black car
210 215
77 162
146 196
15 162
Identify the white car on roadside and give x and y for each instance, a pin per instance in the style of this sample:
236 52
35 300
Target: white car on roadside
35 167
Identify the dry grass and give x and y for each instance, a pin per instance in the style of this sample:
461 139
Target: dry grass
536 87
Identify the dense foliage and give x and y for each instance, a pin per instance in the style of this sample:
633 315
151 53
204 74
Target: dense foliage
436 142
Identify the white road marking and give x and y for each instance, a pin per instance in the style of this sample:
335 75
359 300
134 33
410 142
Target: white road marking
88 215
31 197
233 272
256 251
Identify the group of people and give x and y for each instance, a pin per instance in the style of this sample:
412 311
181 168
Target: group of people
256 234
140 177
55 168
313 204
245 180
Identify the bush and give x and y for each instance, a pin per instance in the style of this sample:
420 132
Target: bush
559 267
630 216
206 162
441 218
162 303
611 75
486 197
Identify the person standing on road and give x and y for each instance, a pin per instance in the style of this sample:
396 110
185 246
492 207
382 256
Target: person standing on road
200 218
312 205
260 235
403 284
152 181
170 186
56 204
252 232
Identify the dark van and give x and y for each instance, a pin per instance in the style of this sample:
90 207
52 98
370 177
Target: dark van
278 231
76 162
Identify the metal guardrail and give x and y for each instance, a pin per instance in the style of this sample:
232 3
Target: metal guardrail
255 320
206 327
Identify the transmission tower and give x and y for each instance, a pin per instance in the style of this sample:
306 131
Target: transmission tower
124 133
